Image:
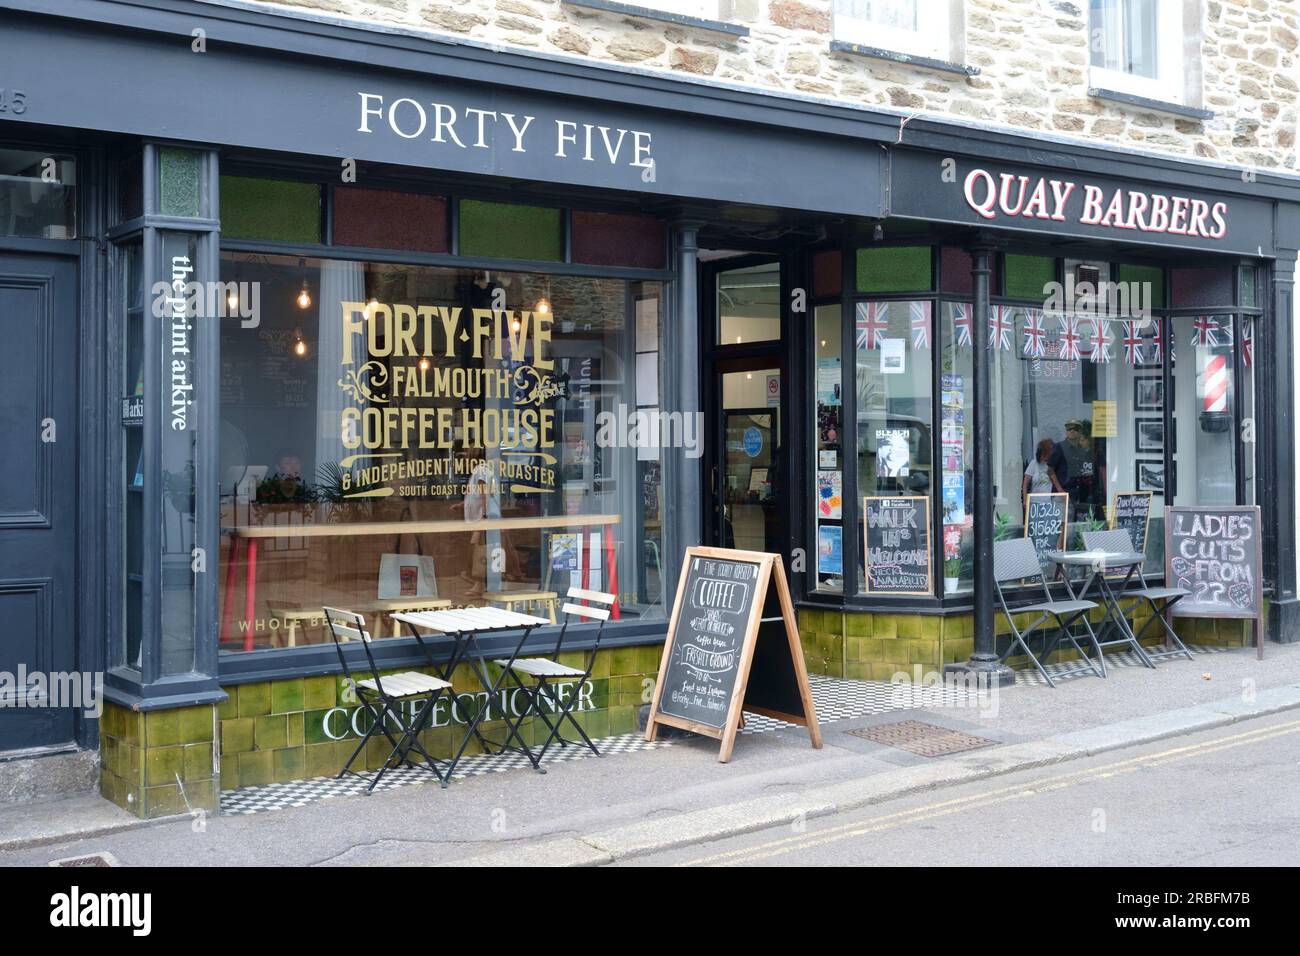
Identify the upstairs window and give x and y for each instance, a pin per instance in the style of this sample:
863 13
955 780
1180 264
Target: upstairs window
918 27
1136 47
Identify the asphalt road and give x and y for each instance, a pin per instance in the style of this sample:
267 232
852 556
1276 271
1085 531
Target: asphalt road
1227 797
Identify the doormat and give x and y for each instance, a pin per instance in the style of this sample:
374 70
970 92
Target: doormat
922 739
92 859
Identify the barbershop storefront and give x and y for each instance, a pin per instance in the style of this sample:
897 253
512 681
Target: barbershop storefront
408 324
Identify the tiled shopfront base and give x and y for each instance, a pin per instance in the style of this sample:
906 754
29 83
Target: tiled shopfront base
836 699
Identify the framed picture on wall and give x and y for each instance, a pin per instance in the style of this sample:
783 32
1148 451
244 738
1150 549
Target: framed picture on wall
1150 436
1150 475
1149 394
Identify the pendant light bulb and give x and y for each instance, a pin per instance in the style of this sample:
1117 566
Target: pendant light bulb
543 306
232 300
304 298
299 345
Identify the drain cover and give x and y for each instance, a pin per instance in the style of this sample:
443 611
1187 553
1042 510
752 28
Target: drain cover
918 737
94 859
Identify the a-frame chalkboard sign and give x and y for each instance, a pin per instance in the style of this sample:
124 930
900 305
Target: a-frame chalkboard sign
721 657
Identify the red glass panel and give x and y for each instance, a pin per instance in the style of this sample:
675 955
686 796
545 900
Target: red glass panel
380 219
828 273
617 239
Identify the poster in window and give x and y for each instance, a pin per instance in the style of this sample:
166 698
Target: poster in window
830 551
830 492
828 381
893 453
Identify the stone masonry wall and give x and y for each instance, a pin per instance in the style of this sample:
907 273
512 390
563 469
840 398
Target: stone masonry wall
1032 55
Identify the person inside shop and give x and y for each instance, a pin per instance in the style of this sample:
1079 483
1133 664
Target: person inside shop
1077 449
1040 476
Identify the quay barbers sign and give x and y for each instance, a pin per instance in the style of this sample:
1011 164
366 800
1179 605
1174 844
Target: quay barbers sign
722 657
1062 201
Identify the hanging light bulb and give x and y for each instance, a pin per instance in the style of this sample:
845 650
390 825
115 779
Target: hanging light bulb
304 297
232 299
543 307
424 364
299 346
516 325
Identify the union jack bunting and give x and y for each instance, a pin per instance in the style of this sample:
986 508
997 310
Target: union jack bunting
961 320
1248 343
920 324
1069 338
873 323
1206 331
1157 341
1035 334
1132 342
1100 342
1000 328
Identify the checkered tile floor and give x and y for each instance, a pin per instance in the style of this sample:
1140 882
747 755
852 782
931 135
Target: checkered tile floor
835 699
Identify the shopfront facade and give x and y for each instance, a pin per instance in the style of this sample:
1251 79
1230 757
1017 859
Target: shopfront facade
399 321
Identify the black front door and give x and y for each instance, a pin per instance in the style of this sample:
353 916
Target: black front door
38 496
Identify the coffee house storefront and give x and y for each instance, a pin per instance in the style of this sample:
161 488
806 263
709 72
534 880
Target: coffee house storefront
472 328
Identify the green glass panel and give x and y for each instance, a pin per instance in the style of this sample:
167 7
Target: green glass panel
1248 287
895 269
179 182
272 209
1152 274
1028 276
509 231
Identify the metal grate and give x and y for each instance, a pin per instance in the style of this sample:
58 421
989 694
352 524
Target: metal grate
94 859
918 737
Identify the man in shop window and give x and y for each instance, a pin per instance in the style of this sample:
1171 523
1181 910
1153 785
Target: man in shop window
1077 451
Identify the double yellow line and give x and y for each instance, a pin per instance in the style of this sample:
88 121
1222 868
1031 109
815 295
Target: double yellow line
943 808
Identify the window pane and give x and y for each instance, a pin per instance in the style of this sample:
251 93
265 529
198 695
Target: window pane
1208 288
510 231
1204 406
38 195
899 14
372 459
894 269
893 374
828 273
1150 280
132 477
382 219
1028 277
270 209
614 239
749 304
828 442
179 182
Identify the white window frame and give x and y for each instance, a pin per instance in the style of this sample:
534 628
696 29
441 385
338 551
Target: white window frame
930 39
1169 85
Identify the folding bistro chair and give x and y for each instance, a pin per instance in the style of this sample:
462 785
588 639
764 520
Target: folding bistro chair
1118 540
383 698
546 672
1016 561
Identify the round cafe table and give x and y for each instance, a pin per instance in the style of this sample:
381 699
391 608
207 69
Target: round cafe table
1098 564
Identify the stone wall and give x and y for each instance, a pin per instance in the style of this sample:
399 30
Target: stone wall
1032 56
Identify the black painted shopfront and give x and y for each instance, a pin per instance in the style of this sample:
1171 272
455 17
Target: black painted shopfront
484 321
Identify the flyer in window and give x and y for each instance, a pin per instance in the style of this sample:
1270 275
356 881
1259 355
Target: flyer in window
828 381
954 498
830 493
830 557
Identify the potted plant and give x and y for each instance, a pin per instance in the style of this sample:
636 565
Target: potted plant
951 573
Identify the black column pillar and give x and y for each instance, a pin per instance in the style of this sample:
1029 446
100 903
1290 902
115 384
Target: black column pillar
1275 408
683 494
983 661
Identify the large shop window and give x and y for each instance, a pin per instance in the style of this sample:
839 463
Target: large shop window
396 436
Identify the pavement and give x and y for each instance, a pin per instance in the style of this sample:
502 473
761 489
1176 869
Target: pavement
625 806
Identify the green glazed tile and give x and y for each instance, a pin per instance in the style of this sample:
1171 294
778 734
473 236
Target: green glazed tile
195 724
318 693
254 700
237 735
287 696
228 709
229 773
623 662
162 728
289 764
163 765
314 724
294 736
256 768
198 762
163 800
270 732
319 760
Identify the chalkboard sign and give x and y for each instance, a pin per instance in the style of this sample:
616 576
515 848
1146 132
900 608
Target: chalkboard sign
1045 524
1131 511
1214 552
896 533
714 646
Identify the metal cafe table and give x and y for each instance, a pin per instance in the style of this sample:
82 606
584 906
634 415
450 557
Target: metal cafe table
464 626
1098 563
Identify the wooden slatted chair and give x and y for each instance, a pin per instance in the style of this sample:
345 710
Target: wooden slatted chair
546 672
1159 599
1017 561
383 698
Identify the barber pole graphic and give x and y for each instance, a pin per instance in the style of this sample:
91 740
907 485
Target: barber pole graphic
1216 384
920 324
1132 342
873 323
1000 328
1069 338
962 321
1035 334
